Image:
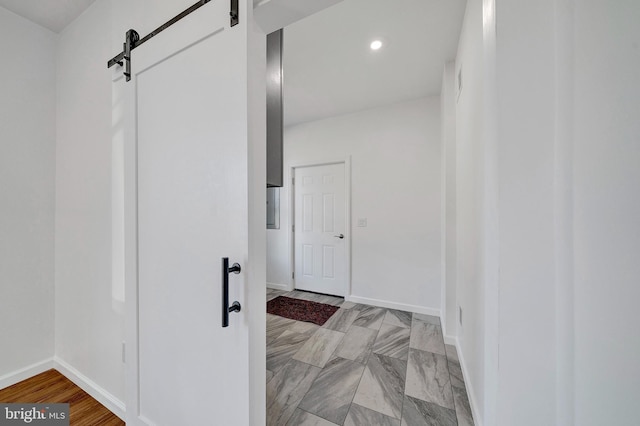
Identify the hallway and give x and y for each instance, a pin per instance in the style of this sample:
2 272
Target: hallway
365 366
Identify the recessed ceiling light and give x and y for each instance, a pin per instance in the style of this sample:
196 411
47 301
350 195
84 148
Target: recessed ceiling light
376 44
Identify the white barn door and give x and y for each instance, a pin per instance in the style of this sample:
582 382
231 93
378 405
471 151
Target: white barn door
187 188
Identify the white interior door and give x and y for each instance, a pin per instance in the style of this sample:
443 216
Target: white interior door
320 235
187 197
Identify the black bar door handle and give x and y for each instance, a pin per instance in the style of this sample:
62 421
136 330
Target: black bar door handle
235 307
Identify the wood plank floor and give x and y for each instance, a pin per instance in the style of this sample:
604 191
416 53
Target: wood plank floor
53 387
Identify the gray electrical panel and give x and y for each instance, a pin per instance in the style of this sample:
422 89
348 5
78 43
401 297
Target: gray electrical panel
275 116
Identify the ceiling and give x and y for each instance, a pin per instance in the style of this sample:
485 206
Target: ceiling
330 70
52 14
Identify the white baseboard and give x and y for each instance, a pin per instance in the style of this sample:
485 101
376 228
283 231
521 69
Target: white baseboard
278 286
101 395
451 340
393 305
471 394
17 376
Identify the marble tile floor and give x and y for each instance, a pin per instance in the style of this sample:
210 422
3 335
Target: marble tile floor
366 366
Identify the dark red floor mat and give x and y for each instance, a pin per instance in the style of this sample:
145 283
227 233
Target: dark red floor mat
301 310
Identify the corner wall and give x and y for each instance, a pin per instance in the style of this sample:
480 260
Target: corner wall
27 194
396 185
567 155
470 205
88 330
448 100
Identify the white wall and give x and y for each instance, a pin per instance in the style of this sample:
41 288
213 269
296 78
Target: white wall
27 191
566 151
396 185
448 110
606 156
470 204
278 245
88 331
527 211
507 211
569 208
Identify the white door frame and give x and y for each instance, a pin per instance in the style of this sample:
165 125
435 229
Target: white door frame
347 207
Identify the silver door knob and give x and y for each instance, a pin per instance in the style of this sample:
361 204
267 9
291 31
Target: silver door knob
341 236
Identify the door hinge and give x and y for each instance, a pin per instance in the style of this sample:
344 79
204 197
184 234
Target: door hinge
293 181
124 352
293 228
293 275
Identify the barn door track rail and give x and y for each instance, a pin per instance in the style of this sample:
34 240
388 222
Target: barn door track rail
133 40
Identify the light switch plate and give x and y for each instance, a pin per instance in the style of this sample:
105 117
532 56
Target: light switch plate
362 223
